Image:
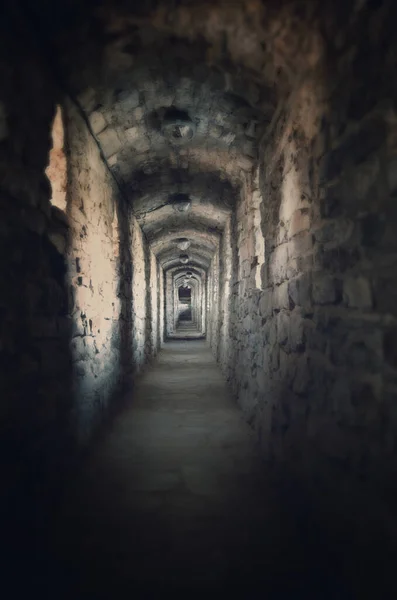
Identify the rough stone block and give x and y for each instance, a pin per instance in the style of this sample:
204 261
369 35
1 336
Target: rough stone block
299 290
128 99
334 233
300 221
58 240
277 267
265 304
325 289
281 297
296 335
357 292
301 244
282 328
109 141
97 122
247 323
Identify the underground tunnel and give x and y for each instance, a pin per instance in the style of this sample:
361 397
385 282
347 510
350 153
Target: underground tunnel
198 332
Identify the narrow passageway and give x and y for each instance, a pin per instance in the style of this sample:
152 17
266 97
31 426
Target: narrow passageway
175 497
198 314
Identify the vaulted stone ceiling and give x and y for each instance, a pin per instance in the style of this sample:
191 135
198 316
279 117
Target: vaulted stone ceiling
178 104
171 129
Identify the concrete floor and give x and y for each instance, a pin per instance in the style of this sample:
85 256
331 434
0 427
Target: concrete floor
175 499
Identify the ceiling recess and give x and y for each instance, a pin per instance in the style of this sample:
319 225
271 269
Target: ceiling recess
184 258
177 126
183 243
180 202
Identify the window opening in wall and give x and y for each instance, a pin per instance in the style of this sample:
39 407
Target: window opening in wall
56 170
185 303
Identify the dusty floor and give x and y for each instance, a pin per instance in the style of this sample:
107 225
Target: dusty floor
175 499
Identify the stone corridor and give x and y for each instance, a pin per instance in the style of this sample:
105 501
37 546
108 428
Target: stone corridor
198 307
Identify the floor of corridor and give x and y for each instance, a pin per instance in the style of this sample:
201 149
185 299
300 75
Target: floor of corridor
175 498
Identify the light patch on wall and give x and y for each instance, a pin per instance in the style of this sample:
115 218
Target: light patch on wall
290 193
259 240
56 170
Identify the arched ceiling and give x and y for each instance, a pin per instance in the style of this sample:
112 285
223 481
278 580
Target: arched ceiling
197 278
193 282
195 261
179 271
164 240
178 95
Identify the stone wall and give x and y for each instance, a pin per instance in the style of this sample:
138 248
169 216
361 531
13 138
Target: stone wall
76 274
113 279
36 437
93 259
313 334
213 304
154 316
225 294
168 303
161 304
140 339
